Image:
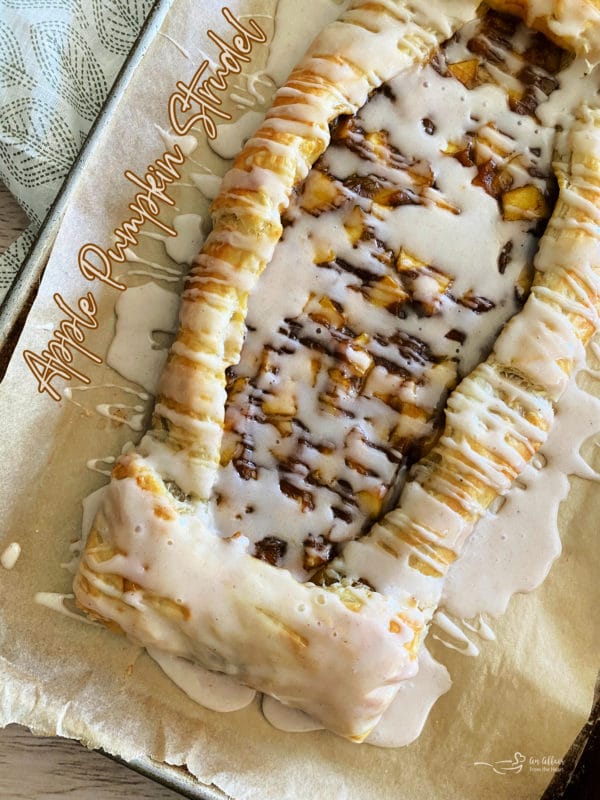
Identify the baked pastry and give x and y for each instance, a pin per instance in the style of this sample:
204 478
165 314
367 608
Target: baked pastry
339 645
572 24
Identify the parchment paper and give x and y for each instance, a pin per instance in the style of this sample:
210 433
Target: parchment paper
529 692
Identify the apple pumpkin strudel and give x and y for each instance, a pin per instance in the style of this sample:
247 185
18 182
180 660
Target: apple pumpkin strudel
260 528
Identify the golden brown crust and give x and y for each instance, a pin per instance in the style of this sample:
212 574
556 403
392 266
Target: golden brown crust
457 481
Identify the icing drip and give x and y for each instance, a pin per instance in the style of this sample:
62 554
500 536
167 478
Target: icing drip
185 246
57 602
10 555
96 465
158 271
449 627
403 722
286 718
133 353
210 689
208 184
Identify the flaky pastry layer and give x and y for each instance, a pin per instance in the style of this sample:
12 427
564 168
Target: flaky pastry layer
338 650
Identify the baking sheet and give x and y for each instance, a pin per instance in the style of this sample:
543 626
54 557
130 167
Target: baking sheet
530 693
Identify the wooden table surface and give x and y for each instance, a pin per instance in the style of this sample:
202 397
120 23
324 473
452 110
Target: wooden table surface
50 769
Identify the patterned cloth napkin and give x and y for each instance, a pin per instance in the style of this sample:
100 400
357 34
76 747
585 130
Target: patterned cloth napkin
58 60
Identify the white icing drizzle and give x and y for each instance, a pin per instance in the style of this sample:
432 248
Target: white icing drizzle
258 91
186 245
286 718
140 312
481 628
212 690
55 601
96 464
10 555
187 144
231 136
160 272
208 183
175 44
149 274
132 416
450 628
122 413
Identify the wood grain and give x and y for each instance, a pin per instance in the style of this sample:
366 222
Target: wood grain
50 769
12 218
34 768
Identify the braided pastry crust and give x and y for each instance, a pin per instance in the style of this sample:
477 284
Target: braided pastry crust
340 649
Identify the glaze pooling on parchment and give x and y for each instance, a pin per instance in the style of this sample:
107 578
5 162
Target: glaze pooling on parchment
10 555
426 290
